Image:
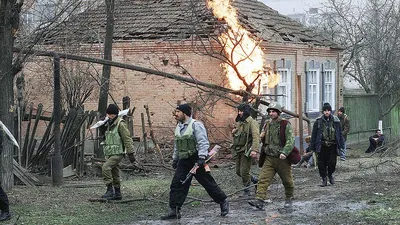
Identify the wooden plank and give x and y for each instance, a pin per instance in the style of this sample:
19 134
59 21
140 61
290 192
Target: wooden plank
27 178
21 176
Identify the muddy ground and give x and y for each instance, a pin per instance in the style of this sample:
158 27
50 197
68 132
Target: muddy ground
366 192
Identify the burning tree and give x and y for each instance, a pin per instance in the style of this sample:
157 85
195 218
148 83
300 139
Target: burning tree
223 37
243 60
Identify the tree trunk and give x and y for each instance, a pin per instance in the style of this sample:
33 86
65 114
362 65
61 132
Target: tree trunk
105 79
9 21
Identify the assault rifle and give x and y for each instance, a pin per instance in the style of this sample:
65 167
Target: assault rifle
102 122
211 154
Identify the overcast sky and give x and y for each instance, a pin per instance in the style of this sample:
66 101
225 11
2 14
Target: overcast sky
292 6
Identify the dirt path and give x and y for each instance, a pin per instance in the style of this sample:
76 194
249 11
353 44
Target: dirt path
361 184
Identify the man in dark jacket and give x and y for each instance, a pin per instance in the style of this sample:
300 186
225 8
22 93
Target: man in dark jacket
345 125
327 140
375 141
4 204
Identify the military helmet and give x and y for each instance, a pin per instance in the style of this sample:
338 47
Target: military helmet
276 106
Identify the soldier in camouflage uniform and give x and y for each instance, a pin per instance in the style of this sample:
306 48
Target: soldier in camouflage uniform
246 142
118 141
276 158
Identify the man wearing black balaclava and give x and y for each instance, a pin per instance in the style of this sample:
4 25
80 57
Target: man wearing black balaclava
327 140
246 141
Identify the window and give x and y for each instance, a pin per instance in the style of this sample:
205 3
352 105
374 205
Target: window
313 90
329 87
284 88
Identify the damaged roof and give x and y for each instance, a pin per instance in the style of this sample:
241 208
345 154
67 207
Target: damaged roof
180 19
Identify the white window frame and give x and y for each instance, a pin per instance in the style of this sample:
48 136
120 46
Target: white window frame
285 101
330 87
313 90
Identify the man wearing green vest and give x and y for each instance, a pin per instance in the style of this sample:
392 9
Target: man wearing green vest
191 148
327 142
246 141
276 161
118 141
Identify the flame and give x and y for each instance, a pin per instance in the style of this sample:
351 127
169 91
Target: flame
241 49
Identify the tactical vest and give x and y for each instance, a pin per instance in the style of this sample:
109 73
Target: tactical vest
186 142
241 137
328 132
114 145
272 138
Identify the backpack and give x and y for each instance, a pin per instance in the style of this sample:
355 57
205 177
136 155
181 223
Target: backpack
294 156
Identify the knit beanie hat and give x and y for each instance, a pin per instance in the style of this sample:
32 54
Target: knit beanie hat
112 109
185 108
327 106
245 108
341 109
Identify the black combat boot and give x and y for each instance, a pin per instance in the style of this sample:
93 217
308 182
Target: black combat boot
324 182
174 213
245 193
117 194
224 207
331 179
109 193
5 216
258 203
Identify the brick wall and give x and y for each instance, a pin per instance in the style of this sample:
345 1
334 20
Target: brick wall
162 94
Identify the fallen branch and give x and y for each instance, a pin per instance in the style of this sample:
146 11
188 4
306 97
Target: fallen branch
153 138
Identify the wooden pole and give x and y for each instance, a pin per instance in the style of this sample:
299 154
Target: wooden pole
300 110
144 136
153 138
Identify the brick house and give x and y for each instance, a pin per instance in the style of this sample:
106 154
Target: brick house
164 35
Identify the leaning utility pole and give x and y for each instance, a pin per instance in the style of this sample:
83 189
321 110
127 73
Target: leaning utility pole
105 79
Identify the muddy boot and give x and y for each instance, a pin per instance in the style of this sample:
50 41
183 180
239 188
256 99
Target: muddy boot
288 203
331 179
117 194
258 203
298 165
245 193
224 207
109 193
324 182
174 213
5 216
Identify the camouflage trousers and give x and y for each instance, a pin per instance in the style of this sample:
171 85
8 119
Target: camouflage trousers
243 164
273 165
110 170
